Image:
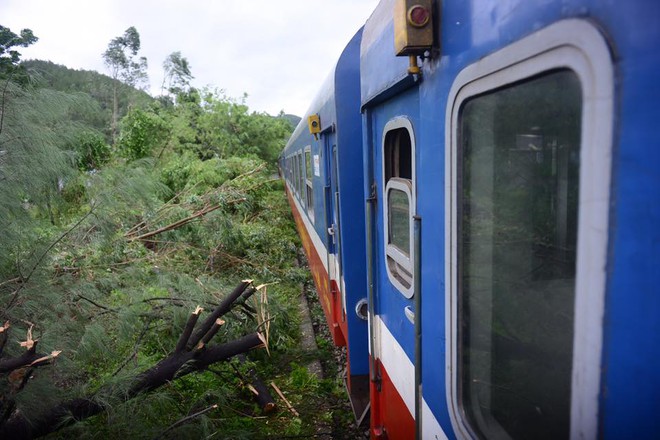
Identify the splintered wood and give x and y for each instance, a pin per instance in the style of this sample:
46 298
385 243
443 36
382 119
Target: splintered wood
284 399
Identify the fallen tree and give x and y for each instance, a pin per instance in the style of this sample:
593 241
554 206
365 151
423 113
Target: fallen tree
192 353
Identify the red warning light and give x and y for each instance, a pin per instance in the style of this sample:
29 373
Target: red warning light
418 16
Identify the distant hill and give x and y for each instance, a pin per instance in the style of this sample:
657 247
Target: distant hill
95 84
293 119
99 87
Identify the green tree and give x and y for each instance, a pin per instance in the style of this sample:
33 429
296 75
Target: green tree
142 131
91 149
177 73
121 59
9 56
228 128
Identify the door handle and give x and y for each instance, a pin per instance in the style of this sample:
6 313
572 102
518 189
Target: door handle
409 314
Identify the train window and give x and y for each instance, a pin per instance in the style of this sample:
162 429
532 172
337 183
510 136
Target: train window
300 175
296 171
528 166
287 169
309 188
399 206
519 160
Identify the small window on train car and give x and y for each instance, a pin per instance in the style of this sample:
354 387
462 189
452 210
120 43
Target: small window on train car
309 183
529 161
294 166
300 175
399 202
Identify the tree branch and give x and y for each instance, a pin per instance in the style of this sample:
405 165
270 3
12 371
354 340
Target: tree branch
174 366
187 331
219 311
183 221
187 419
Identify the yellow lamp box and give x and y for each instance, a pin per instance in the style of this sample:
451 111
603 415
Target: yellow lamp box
413 26
314 124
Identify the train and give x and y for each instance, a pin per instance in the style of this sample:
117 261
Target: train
477 189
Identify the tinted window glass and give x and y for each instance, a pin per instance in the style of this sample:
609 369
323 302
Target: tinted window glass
308 165
308 184
300 173
518 192
399 220
398 155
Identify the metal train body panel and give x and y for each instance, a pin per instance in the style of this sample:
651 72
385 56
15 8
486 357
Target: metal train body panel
446 285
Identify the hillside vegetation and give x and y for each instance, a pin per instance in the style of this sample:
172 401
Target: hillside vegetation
114 237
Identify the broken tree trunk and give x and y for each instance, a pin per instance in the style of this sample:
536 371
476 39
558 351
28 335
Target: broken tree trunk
192 353
172 367
259 390
18 370
225 306
28 359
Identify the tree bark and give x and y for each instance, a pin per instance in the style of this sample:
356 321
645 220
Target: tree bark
176 365
225 306
259 389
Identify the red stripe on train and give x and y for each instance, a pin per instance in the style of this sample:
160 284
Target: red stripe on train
390 418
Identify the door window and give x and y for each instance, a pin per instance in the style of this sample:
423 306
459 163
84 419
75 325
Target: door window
399 206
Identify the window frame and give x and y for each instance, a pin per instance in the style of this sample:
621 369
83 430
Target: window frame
298 158
393 253
578 46
309 183
296 173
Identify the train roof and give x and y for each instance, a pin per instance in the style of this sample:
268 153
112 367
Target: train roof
380 69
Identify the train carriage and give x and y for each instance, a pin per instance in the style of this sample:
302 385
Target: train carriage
506 236
323 167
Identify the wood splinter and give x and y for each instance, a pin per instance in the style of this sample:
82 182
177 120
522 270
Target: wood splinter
45 359
29 343
288 404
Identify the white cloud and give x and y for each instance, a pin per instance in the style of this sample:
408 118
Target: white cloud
278 52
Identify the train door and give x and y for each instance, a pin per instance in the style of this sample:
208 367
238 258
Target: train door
332 223
336 228
392 212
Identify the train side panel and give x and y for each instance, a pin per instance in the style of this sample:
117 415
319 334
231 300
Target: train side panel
499 213
625 322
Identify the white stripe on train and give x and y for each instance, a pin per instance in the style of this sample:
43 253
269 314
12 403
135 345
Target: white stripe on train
313 235
401 371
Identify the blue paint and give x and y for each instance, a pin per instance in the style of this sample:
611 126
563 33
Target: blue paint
372 80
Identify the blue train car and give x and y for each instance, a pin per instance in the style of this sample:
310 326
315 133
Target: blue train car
322 164
510 210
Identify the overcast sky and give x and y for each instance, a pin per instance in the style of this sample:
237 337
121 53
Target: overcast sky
277 51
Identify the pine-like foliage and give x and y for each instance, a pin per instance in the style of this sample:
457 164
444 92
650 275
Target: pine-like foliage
105 261
107 249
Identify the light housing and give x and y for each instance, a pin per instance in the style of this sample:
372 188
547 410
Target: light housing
413 27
